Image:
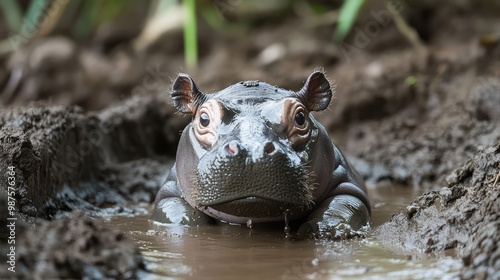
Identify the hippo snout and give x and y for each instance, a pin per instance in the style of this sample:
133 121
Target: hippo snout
236 177
255 153
268 148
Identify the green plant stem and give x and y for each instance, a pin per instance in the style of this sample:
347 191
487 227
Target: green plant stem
190 33
87 17
348 13
13 14
34 15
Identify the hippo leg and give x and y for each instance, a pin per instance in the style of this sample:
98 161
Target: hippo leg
175 210
337 217
170 208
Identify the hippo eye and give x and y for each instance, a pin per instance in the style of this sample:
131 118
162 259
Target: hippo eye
300 118
204 119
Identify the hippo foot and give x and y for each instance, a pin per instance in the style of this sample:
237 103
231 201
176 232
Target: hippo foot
331 230
337 218
175 210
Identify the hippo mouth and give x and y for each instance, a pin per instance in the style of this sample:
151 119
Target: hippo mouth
242 187
253 207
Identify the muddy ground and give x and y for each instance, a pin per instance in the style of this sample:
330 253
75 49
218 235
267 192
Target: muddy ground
465 214
99 133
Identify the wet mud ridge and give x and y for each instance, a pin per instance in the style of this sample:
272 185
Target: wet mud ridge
66 159
78 248
465 214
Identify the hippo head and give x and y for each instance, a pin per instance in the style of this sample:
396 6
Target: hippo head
248 152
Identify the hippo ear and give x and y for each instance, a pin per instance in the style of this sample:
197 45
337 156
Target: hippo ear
316 92
185 94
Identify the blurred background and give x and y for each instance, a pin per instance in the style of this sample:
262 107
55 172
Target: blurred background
93 52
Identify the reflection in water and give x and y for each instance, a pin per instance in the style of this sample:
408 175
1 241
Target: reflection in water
241 252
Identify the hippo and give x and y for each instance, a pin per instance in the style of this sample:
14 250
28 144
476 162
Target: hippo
254 153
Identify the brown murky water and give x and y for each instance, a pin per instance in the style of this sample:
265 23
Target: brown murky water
237 252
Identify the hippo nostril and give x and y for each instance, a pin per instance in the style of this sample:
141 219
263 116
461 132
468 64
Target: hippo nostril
232 148
269 148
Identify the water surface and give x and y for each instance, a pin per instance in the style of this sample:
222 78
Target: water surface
237 252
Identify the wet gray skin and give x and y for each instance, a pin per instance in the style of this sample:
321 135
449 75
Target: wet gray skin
255 152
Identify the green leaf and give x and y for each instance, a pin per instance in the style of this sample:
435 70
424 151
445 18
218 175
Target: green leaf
348 13
87 19
13 14
190 34
411 81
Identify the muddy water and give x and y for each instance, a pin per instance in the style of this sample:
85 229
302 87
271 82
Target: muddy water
237 252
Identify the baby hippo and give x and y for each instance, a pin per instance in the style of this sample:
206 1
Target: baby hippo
254 152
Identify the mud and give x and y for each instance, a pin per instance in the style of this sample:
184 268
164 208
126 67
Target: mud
69 248
77 248
463 215
68 159
416 135
402 116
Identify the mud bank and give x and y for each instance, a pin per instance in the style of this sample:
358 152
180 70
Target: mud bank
77 248
464 215
67 248
417 134
99 163
66 159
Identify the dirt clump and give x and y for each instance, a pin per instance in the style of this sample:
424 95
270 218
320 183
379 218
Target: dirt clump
77 248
